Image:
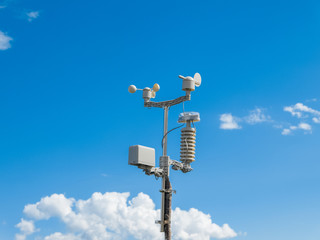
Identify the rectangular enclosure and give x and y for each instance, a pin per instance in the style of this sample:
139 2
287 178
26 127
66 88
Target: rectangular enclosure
142 156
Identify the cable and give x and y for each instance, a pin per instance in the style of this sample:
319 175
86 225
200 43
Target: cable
193 125
169 132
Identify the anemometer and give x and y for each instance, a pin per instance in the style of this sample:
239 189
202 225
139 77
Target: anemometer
144 157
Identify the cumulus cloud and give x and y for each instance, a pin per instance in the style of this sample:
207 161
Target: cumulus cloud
26 228
299 110
229 122
113 216
32 15
195 225
4 41
54 206
302 126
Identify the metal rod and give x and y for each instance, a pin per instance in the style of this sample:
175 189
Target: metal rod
164 153
165 130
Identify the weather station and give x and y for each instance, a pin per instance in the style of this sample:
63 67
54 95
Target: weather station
144 157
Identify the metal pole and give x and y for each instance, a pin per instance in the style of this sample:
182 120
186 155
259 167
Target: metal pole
167 209
166 186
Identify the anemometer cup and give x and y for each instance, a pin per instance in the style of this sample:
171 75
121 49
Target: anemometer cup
132 89
147 93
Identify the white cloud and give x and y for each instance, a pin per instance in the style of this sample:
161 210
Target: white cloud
26 228
229 122
54 206
111 216
4 41
32 15
195 225
316 120
257 116
298 109
302 126
60 236
312 100
286 131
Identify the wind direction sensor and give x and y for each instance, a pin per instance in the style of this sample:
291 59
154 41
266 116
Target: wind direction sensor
189 83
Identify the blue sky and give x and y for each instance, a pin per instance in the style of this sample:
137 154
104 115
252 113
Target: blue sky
67 118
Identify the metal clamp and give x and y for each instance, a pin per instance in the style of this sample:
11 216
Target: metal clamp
180 166
167 191
153 171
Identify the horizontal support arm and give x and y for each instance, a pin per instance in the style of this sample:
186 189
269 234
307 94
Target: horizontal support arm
168 103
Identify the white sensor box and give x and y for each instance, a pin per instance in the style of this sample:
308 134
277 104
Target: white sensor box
142 156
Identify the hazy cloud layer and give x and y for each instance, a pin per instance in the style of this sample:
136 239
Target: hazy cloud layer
257 116
32 15
111 216
4 3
